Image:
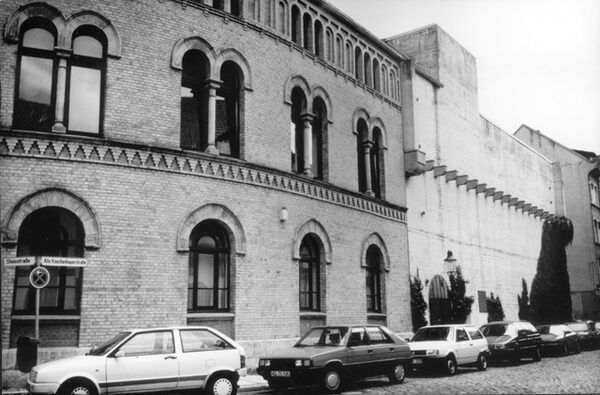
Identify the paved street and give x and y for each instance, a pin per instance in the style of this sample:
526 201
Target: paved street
571 374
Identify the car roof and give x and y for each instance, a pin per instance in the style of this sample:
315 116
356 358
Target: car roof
450 326
165 328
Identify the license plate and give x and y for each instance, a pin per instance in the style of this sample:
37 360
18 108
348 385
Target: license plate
417 361
280 373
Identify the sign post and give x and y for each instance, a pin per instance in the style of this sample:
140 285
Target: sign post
39 278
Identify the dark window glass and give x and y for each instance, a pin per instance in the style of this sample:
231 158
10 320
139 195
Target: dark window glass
309 275
361 144
209 273
374 263
53 232
297 130
227 111
194 101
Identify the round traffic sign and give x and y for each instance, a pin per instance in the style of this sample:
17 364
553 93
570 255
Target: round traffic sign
39 277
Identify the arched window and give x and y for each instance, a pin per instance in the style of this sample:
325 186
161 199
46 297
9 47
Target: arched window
228 111
349 57
281 17
384 83
319 40
376 75
307 32
34 102
377 163
297 130
194 101
310 275
330 46
296 26
319 131
358 64
86 71
374 267
393 92
368 71
339 46
53 232
362 145
209 268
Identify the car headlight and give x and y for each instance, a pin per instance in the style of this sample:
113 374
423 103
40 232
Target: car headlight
33 376
264 362
303 362
432 352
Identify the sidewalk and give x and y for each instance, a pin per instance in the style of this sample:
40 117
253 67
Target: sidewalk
251 382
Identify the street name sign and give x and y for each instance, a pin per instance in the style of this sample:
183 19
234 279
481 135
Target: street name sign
60 261
20 261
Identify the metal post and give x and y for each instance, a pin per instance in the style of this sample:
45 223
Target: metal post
37 304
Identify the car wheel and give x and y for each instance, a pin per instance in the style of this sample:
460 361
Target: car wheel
332 380
482 362
537 355
397 373
450 365
221 385
77 388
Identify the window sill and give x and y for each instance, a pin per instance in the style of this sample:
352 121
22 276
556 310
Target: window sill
46 317
377 316
312 314
211 315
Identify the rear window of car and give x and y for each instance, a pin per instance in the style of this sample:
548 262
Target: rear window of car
428 334
376 336
202 340
494 330
474 333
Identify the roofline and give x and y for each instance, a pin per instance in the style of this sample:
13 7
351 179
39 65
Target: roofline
556 142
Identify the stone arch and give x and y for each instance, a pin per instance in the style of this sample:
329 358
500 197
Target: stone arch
33 10
319 91
235 56
197 43
311 226
297 81
94 19
52 197
358 114
215 212
378 123
374 239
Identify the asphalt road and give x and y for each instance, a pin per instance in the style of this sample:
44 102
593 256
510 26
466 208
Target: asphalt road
576 373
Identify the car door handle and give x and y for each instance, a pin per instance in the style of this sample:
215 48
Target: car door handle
392 349
171 357
370 351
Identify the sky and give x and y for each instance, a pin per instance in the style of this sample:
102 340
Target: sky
538 61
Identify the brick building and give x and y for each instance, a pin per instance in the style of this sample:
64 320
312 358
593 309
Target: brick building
247 165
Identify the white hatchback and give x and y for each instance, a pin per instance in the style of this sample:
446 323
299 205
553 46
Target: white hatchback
147 360
449 346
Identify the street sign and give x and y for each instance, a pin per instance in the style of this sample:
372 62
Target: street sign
39 277
60 261
20 261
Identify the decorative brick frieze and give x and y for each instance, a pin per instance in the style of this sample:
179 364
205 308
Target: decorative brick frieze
191 163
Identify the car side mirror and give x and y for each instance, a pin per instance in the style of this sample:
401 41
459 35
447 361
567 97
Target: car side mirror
119 354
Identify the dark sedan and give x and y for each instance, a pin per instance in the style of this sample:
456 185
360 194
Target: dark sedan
558 339
330 356
588 338
512 340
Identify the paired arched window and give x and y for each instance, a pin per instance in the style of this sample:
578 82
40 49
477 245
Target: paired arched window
209 268
51 232
370 159
50 82
310 274
374 286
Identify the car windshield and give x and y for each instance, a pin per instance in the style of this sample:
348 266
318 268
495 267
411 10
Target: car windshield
428 334
328 337
494 330
578 326
104 347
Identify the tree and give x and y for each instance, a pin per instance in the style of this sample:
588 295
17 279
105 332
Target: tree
460 304
550 292
494 308
523 299
418 305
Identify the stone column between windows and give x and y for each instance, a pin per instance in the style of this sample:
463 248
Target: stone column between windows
61 93
367 146
307 119
212 117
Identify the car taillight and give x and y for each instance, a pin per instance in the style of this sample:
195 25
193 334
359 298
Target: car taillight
242 361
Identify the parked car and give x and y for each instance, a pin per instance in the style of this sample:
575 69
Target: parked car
558 339
588 338
512 340
449 346
147 360
330 356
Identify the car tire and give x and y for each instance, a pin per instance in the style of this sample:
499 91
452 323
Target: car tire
332 380
482 362
451 365
397 373
537 355
77 388
221 385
